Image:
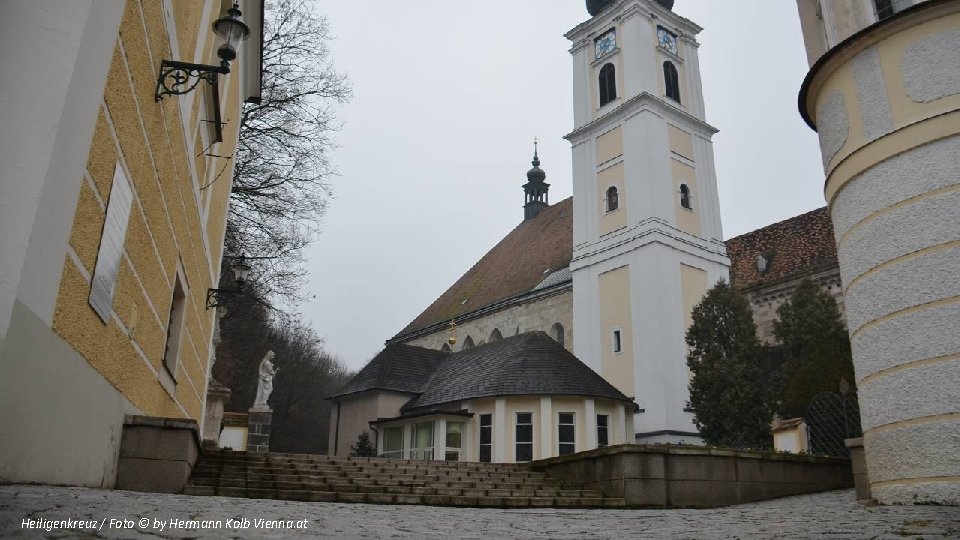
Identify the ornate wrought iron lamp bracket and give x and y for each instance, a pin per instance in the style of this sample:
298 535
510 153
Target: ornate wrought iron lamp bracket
178 78
213 296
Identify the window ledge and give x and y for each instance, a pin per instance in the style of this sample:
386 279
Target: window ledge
669 54
603 59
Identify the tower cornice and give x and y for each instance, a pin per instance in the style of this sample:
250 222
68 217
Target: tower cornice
649 8
652 230
644 101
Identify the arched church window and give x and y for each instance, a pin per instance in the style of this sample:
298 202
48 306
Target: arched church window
495 335
685 196
556 332
613 198
608 84
445 348
672 81
467 343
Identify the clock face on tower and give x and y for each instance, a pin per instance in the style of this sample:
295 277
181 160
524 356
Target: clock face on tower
605 43
667 40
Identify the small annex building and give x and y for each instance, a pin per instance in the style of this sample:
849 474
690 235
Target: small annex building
430 404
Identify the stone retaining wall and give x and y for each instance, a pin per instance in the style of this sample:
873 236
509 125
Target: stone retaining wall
696 477
157 454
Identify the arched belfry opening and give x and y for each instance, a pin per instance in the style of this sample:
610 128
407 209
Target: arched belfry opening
536 190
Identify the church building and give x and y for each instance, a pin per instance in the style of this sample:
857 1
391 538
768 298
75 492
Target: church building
611 275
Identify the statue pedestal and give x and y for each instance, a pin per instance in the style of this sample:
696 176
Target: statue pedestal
258 429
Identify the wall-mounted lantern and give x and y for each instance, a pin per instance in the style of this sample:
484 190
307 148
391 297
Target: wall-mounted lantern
178 78
241 270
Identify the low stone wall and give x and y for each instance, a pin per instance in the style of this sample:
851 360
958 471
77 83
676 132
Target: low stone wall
157 454
666 476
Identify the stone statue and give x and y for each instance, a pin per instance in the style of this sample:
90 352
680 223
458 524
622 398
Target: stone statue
266 374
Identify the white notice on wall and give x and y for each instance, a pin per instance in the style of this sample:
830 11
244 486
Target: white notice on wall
111 245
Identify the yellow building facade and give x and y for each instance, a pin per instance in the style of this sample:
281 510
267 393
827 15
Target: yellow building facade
114 206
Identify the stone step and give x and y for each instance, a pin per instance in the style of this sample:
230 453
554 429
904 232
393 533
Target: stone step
293 475
209 488
385 464
500 501
384 481
378 471
372 483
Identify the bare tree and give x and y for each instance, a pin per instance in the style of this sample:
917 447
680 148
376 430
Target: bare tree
281 180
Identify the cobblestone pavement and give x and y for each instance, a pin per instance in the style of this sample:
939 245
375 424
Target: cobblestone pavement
124 514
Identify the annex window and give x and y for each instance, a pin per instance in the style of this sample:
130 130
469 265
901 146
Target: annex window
171 351
556 332
617 345
613 198
603 436
393 442
672 81
524 436
454 441
421 441
486 438
566 433
608 84
685 196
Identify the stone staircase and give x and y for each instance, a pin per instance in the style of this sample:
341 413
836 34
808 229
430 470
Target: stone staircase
298 477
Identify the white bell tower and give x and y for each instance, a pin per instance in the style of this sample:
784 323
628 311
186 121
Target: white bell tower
647 242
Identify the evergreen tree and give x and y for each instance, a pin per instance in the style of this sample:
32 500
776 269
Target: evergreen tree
731 390
363 447
815 346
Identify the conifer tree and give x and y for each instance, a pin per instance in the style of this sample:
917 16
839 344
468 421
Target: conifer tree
731 390
815 347
363 447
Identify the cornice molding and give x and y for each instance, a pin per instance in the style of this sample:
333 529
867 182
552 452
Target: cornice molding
639 103
649 231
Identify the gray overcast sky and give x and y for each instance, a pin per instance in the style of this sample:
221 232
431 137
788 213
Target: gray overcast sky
448 96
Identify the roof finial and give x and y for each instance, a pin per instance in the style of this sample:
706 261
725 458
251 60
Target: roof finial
536 158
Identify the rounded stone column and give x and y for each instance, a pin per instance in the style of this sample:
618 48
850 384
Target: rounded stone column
886 104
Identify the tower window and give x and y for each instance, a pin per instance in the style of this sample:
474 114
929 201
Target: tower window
613 199
617 345
685 196
608 84
672 80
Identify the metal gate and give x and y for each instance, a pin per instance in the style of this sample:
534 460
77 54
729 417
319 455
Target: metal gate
831 418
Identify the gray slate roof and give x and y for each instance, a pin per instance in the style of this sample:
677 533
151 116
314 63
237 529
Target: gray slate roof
399 367
527 364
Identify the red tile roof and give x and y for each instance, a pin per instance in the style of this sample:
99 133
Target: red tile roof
516 265
798 246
